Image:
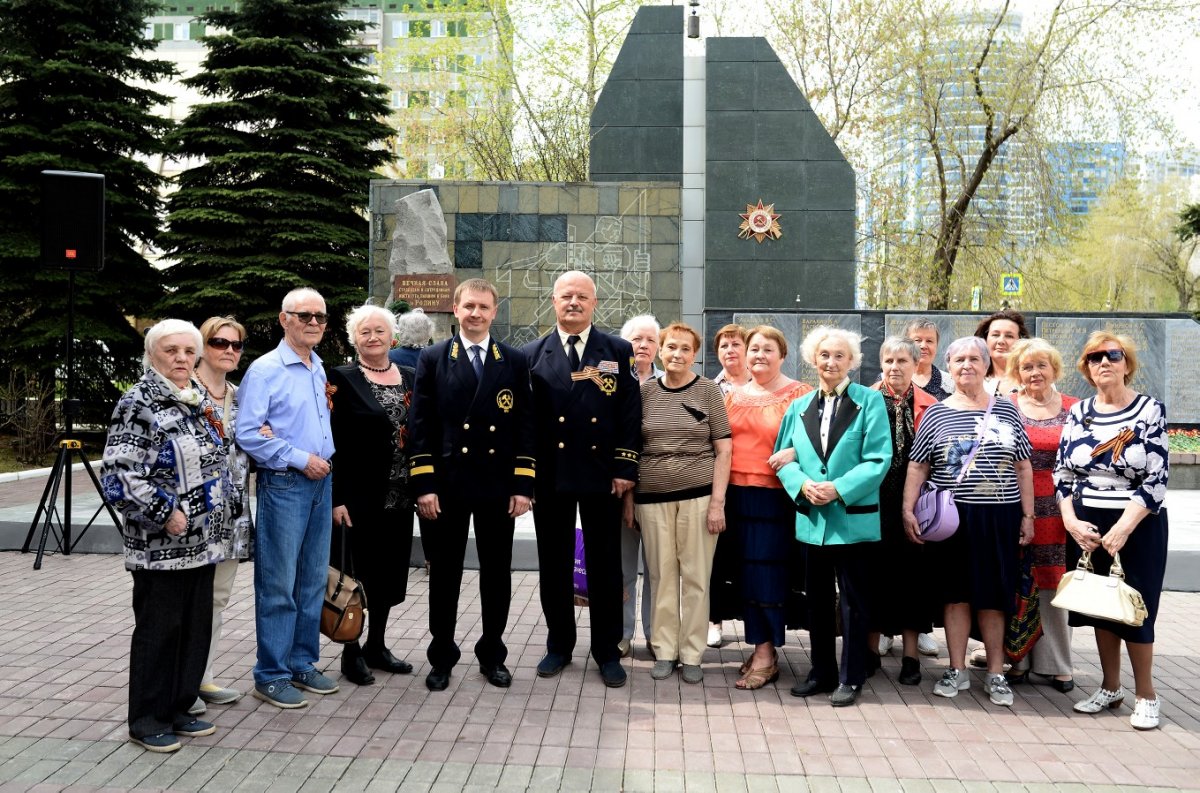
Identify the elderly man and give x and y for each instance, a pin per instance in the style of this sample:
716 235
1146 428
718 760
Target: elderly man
642 334
588 417
285 389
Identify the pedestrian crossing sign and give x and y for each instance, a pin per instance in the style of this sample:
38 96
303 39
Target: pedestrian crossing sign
1011 284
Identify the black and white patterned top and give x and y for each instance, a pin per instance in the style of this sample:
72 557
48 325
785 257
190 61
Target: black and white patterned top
395 401
946 438
237 528
1108 459
161 455
939 386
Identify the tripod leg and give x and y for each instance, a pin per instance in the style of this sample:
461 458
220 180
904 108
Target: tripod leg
63 462
42 504
112 513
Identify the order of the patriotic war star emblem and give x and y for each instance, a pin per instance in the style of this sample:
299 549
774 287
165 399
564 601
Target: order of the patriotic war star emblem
759 222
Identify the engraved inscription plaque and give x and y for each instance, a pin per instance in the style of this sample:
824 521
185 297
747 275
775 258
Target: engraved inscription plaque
794 328
1069 334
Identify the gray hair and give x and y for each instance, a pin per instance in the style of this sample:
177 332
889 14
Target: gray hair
818 335
633 323
894 344
969 342
923 323
414 329
292 298
361 314
169 327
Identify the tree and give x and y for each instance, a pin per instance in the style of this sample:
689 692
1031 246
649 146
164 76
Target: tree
289 139
70 100
969 100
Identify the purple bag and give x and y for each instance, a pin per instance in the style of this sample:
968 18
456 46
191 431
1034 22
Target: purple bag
936 513
581 592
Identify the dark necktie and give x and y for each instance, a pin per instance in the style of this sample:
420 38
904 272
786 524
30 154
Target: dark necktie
477 361
572 353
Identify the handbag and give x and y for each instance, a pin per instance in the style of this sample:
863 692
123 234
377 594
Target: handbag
936 512
1105 597
343 614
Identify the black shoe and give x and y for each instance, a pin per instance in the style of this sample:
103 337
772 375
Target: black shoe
1058 685
552 664
910 671
844 695
497 675
355 670
810 687
873 663
385 661
1015 677
437 679
613 674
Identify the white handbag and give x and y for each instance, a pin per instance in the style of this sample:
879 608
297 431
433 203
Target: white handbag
1106 597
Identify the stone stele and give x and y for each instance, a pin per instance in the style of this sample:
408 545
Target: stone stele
419 241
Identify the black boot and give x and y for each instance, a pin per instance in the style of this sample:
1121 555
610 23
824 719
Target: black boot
910 671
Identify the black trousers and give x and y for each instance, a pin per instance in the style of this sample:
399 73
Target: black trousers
554 524
172 616
445 543
849 566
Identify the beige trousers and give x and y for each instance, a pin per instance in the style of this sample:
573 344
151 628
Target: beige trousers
223 578
1052 653
679 555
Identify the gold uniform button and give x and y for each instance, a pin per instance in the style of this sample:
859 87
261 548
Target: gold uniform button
593 448
466 426
561 445
492 429
561 419
464 450
593 419
491 451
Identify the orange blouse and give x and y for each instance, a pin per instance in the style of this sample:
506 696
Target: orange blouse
755 419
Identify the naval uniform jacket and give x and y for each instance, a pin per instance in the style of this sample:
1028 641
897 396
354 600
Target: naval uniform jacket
469 437
589 429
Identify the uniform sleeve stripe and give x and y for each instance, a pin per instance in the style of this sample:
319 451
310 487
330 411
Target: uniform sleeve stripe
524 472
421 469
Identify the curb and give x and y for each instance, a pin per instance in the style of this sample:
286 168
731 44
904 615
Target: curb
33 473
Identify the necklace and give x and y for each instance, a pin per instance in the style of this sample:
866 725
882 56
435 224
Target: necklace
387 368
1040 403
211 391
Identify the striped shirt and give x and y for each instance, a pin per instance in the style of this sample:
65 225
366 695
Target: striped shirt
946 438
679 427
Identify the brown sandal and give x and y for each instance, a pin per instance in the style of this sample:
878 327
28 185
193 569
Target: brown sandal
757 678
745 667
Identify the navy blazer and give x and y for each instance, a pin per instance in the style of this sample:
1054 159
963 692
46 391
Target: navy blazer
589 431
470 437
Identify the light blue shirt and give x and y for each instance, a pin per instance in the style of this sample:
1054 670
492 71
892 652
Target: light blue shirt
281 391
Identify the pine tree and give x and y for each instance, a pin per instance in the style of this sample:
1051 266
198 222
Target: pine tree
68 101
290 137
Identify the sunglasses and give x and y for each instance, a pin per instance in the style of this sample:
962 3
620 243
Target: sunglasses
308 316
1096 357
217 343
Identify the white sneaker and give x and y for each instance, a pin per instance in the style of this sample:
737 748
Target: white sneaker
996 687
952 682
197 708
1145 714
625 647
1102 699
885 643
927 645
714 634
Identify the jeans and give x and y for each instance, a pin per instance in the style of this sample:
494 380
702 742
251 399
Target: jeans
295 518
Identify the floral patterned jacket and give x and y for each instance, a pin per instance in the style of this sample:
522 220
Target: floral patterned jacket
162 454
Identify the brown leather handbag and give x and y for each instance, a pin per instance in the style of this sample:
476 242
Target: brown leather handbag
344 612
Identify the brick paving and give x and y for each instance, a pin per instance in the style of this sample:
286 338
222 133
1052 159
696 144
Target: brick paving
63 672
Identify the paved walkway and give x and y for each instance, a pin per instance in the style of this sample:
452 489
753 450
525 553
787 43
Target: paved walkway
63 674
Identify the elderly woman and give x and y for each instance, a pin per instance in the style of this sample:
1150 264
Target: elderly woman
1111 478
642 334
680 500
757 503
842 448
1036 365
924 333
372 507
725 588
414 331
165 470
974 445
1000 332
901 599
220 355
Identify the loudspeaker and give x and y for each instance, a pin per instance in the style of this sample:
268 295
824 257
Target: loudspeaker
73 220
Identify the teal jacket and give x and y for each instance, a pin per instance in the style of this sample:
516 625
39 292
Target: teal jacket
860 451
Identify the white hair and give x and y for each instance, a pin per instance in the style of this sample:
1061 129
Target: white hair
414 329
894 344
169 327
361 314
822 333
972 342
641 320
292 298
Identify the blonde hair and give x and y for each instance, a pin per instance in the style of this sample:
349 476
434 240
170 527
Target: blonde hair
213 324
1033 348
1093 343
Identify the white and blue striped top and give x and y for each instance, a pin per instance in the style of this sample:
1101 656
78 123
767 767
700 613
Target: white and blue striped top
946 437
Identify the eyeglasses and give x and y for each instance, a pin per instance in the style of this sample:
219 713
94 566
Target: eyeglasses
217 343
1094 358
308 316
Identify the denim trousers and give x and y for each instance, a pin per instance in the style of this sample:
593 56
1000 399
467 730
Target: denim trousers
295 519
